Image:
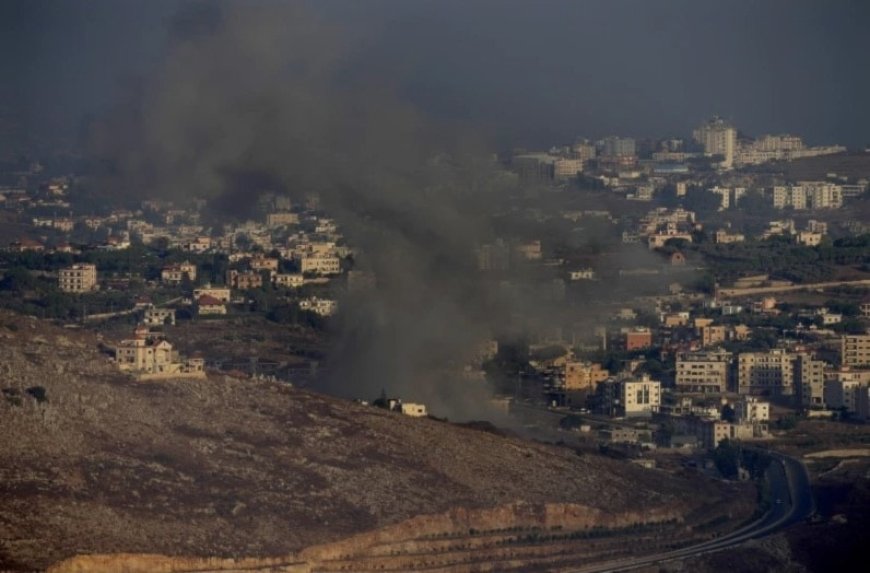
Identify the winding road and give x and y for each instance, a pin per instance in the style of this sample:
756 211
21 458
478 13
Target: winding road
792 503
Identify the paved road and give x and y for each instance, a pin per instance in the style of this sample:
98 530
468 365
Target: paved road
789 483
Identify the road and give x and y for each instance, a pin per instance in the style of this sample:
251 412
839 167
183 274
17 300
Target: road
789 482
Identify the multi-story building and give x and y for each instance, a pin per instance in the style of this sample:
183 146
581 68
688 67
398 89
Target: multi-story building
766 373
263 264
618 147
291 280
703 372
580 376
147 357
638 338
718 138
176 274
244 280
321 265
844 393
712 335
855 350
321 306
281 218
78 278
639 397
809 381
749 409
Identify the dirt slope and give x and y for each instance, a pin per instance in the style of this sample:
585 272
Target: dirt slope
228 467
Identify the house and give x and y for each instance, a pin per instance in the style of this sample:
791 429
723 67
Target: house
209 305
291 280
413 409
582 274
220 293
244 280
638 338
149 357
321 306
154 316
176 274
264 264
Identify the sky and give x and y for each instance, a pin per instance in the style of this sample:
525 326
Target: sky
525 73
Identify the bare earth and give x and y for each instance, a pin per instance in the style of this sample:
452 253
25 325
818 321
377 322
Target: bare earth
232 467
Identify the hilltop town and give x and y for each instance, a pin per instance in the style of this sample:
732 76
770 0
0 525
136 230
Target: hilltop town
685 303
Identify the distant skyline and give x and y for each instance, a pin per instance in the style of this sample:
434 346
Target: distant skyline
526 73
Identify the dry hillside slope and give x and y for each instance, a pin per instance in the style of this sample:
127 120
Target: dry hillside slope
226 467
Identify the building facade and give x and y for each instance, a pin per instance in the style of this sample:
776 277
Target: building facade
78 278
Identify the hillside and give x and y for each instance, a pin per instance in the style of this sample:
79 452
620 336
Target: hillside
92 462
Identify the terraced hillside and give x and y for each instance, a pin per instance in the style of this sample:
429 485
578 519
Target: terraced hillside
92 462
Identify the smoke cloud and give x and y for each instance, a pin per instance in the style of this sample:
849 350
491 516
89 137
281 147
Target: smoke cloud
257 97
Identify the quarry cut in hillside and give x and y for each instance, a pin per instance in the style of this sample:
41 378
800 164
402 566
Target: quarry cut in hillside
93 462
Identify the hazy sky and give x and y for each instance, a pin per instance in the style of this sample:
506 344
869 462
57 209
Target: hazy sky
527 72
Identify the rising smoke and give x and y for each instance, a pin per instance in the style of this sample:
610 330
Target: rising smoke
257 97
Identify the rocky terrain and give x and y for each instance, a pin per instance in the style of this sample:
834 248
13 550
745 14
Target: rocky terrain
94 463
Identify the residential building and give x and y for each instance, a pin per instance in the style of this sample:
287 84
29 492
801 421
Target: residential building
220 293
291 280
855 350
712 335
281 218
618 147
154 316
413 409
640 397
582 274
321 265
638 338
723 237
78 278
749 409
148 357
844 393
244 280
809 380
209 305
176 274
718 138
705 372
766 373
263 264
321 306
583 376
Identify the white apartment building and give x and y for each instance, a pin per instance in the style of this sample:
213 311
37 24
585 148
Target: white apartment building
639 397
718 138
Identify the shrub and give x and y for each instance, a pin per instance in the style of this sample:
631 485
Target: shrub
37 392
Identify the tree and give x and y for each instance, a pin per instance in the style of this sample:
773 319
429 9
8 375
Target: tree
726 456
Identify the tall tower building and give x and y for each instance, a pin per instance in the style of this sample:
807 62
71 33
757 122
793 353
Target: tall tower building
718 138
